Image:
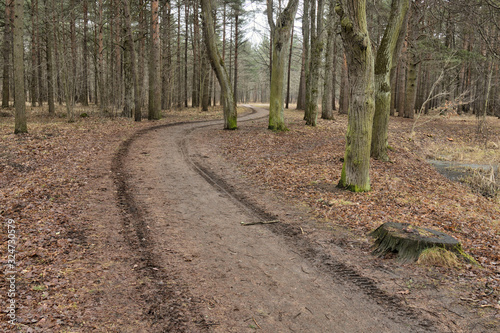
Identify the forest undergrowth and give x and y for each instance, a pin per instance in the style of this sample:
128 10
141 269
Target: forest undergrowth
45 177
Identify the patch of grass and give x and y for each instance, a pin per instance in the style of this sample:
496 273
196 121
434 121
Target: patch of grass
437 256
40 287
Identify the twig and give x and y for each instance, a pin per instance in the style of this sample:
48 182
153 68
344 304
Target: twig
256 323
259 222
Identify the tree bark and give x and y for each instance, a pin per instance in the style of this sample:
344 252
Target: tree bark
316 53
48 52
326 102
280 32
7 49
344 88
131 50
289 68
383 65
85 57
34 51
228 102
18 59
360 63
154 65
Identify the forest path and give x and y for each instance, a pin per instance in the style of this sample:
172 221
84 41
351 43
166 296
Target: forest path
204 271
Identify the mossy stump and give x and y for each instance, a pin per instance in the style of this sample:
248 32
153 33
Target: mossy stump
409 241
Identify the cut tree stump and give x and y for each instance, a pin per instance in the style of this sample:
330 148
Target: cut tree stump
409 240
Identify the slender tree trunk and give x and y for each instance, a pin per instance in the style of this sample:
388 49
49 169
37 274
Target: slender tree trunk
186 19
228 102
360 61
178 58
48 52
306 41
383 64
289 68
34 51
235 83
154 65
7 49
85 57
196 86
280 32
326 102
141 56
131 50
401 82
100 59
18 59
334 71
165 57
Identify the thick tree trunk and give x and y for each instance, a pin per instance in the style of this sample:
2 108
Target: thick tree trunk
18 59
360 62
154 65
228 102
280 37
383 65
316 53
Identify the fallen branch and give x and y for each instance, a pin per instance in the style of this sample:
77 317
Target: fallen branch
259 222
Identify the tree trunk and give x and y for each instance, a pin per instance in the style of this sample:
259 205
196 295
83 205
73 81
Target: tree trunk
7 49
228 102
186 19
235 83
383 65
196 86
360 63
289 68
344 88
141 56
316 53
18 59
131 51
48 52
34 52
401 82
85 57
326 102
280 32
154 65
100 60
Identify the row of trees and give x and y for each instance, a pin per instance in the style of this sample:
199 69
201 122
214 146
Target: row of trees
396 57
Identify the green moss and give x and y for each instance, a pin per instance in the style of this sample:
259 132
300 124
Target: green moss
232 123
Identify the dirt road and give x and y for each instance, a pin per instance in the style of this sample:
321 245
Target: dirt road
202 271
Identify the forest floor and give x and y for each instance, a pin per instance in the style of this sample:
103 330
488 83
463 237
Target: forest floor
127 227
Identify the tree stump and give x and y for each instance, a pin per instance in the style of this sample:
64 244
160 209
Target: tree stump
409 241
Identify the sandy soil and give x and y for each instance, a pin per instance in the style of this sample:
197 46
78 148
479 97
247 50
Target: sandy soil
201 270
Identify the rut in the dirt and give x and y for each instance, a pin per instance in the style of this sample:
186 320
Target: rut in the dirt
207 272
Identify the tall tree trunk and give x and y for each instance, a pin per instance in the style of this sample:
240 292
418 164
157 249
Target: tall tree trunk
235 81
131 51
34 52
85 57
100 59
228 102
154 65
360 62
141 56
166 57
306 50
196 87
386 55
316 54
7 49
186 19
18 59
48 52
289 68
178 98
326 102
334 71
280 32
205 79
401 82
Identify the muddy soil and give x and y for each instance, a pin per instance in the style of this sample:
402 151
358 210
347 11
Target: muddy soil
198 269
